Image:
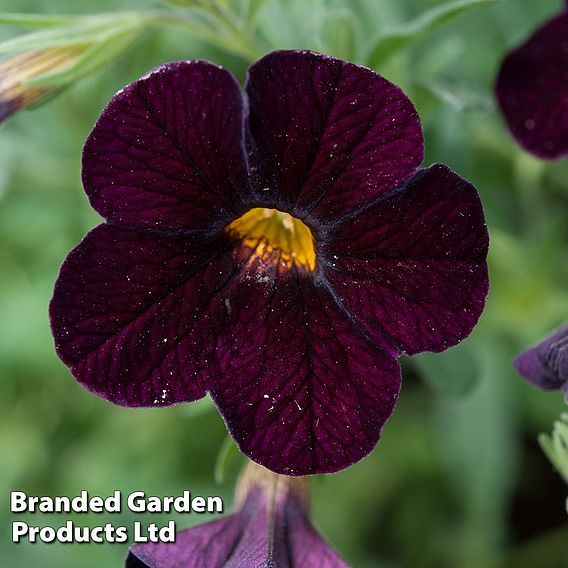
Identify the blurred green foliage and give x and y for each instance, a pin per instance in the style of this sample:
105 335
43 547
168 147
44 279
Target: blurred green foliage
458 479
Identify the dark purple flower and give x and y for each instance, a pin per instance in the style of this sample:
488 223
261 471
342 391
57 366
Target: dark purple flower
532 90
270 528
546 363
278 249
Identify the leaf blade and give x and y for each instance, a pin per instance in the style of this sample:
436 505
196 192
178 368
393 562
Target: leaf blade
81 31
388 44
228 452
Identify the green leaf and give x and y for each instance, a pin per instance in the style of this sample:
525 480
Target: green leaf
546 445
199 407
72 51
36 20
454 372
460 97
82 31
394 41
339 34
179 3
560 443
479 446
93 58
254 8
216 35
228 453
556 446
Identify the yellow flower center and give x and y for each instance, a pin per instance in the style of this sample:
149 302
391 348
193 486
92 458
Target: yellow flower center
276 236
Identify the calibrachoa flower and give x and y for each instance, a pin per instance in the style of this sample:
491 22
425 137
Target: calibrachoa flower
277 249
270 527
532 90
546 363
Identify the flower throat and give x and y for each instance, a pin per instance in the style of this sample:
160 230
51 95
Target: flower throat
276 235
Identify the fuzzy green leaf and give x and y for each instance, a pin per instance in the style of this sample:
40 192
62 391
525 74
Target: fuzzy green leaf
556 446
91 60
82 31
36 20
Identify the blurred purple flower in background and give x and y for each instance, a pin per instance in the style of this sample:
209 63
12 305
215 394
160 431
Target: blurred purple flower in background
546 363
278 249
269 528
532 90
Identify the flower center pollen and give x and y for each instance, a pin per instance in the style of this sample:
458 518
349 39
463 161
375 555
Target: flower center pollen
277 236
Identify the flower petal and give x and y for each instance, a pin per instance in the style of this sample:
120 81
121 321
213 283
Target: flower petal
301 389
210 544
276 526
129 314
546 363
532 89
167 153
411 268
328 135
239 540
269 530
307 548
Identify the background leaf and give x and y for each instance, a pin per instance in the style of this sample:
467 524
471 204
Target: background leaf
462 97
82 31
35 20
254 7
226 460
453 372
339 32
93 58
395 40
